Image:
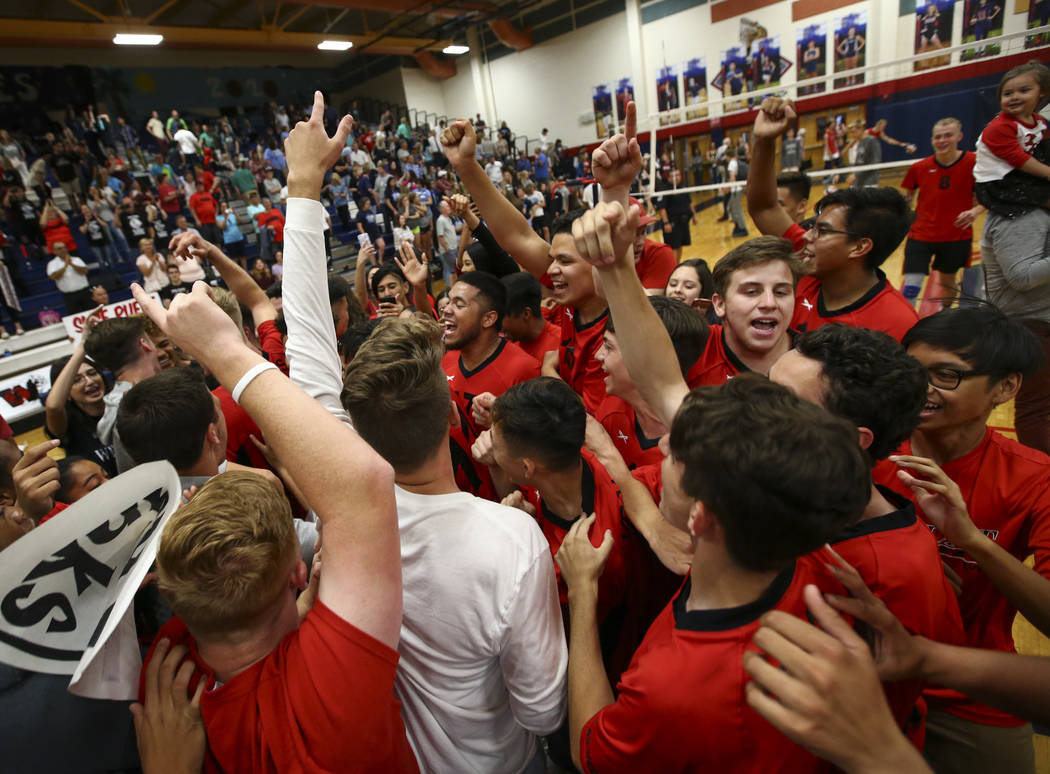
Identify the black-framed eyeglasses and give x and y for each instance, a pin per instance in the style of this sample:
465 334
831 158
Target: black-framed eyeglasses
944 378
823 229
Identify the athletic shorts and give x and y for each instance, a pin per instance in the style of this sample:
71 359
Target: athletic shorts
679 234
948 257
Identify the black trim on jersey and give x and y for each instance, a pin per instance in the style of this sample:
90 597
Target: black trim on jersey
644 441
903 517
576 319
858 304
939 164
736 362
587 501
730 617
486 362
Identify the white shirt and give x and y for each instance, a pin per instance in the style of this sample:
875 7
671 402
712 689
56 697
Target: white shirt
494 169
187 142
483 657
72 280
361 159
156 127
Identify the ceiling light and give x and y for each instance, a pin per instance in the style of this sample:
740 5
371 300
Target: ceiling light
334 45
131 39
455 50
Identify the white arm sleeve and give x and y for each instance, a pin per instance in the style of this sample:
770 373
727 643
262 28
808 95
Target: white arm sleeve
313 361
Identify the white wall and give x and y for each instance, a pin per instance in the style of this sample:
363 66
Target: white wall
423 92
389 86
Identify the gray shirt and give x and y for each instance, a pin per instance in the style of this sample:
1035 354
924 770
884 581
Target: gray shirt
448 231
1016 257
869 151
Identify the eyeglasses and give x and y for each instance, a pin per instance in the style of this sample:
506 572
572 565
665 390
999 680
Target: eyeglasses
824 230
950 378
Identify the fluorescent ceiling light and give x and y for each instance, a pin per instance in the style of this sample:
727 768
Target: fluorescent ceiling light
131 39
334 45
455 50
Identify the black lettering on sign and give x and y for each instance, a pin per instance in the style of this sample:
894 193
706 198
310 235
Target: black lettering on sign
37 611
85 567
101 625
141 544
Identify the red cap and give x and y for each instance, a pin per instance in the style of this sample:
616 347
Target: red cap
646 218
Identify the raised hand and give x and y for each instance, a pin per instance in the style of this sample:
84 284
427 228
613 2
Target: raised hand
190 245
618 160
459 203
459 142
414 269
310 152
605 235
93 319
194 322
773 118
939 497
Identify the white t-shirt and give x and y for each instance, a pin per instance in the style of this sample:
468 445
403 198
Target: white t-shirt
494 169
156 127
154 273
448 231
187 142
72 280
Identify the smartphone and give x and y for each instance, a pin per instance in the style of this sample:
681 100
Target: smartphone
363 240
388 300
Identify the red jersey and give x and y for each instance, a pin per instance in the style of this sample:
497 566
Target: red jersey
548 340
471 476
681 704
272 344
576 362
1004 486
289 712
618 418
796 234
944 192
274 219
896 554
656 265
504 368
203 206
652 476
601 497
718 363
239 447
882 308
831 145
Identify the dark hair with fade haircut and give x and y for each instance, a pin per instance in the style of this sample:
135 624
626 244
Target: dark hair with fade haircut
523 292
166 417
997 345
355 336
879 214
869 380
563 223
542 418
797 183
491 293
113 344
274 291
385 270
687 328
397 393
755 252
65 476
781 475
1036 69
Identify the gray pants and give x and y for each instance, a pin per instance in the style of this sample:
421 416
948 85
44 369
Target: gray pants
957 746
736 209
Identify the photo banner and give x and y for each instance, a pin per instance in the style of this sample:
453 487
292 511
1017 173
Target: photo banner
733 75
694 78
851 43
811 55
667 93
624 94
982 20
69 584
1038 16
603 111
933 31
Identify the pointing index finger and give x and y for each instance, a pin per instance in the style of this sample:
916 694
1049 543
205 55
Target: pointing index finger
152 309
631 121
318 111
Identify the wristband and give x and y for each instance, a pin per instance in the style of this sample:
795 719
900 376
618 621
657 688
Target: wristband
248 378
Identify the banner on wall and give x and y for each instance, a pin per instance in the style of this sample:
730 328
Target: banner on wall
732 78
851 32
766 65
694 81
982 20
933 31
624 94
603 111
812 57
1038 16
667 93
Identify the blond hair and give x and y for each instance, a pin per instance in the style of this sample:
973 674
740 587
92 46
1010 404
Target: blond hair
226 556
228 303
949 120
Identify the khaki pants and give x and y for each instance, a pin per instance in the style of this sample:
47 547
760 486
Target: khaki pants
957 746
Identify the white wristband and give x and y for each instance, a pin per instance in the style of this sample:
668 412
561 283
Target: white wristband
248 378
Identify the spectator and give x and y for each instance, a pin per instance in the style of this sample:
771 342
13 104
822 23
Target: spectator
98 238
152 266
70 275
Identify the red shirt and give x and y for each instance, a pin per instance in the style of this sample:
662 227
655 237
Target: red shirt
207 179
576 363
944 192
504 368
203 206
1005 488
896 555
618 418
272 344
239 447
681 705
601 497
57 231
164 190
471 476
796 234
272 218
656 265
717 365
882 308
549 339
291 711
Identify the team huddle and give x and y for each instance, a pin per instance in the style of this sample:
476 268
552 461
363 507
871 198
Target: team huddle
600 510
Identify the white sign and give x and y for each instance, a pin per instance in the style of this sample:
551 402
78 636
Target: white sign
22 395
75 322
67 585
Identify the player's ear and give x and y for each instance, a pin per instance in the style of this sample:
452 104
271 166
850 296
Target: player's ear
700 520
1006 389
529 466
453 414
719 304
862 247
